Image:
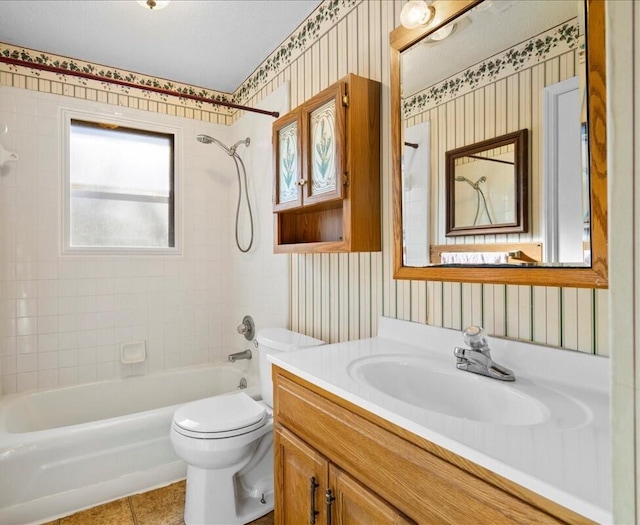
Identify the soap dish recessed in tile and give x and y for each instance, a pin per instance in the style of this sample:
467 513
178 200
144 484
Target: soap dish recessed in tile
133 352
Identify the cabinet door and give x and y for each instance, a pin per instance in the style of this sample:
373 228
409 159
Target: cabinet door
356 505
324 145
301 481
287 145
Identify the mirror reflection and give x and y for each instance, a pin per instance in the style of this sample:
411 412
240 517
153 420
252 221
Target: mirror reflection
504 66
487 186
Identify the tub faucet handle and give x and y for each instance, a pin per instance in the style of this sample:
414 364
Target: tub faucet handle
247 328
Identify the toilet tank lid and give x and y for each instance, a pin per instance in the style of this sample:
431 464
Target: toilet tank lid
285 340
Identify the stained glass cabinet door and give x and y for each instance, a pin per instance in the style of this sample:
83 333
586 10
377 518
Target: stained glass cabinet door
287 191
324 168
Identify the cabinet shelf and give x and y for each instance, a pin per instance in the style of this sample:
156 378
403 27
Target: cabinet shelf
326 194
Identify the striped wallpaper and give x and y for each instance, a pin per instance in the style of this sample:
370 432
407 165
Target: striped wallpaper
492 110
340 296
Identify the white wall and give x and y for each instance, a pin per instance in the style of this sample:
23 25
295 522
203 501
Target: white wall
259 286
416 168
623 145
62 318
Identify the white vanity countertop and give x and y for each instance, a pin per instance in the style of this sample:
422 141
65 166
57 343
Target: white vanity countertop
564 461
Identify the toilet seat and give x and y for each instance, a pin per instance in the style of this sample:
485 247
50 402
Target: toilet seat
219 417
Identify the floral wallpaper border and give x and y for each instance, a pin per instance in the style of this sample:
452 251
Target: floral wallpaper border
544 46
317 24
106 74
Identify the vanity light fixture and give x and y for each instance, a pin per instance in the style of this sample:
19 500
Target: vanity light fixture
442 33
416 13
154 4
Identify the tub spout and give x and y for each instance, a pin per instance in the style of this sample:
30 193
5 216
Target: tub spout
240 355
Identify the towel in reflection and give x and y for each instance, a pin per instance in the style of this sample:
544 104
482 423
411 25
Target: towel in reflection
474 257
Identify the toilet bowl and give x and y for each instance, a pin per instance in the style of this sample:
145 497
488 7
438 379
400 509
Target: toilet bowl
227 443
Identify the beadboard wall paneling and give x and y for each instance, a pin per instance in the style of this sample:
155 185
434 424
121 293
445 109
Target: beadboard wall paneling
338 297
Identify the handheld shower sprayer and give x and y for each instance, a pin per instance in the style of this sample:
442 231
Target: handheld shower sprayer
231 151
479 193
206 139
474 185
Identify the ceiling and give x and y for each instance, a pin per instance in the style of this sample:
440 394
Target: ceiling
214 44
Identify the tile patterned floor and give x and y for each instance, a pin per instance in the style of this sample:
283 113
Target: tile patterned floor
164 506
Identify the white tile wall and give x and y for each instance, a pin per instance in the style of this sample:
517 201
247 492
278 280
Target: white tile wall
260 284
62 318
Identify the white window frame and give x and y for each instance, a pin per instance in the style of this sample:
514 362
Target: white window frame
67 115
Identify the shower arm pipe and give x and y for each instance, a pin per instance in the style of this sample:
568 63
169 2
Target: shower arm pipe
89 76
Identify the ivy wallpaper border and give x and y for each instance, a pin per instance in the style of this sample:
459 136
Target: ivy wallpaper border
549 44
107 74
326 15
316 25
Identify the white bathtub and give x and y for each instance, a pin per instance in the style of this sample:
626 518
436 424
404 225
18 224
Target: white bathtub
69 448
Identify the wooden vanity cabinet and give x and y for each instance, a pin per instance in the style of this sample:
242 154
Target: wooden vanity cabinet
312 489
326 193
379 473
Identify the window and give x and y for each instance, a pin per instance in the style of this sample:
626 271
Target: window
120 187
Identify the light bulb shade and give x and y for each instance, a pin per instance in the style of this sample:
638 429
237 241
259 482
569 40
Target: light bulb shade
154 4
442 33
416 13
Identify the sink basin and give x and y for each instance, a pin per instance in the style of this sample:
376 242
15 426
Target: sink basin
418 382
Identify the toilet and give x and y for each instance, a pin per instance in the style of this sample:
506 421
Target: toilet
227 443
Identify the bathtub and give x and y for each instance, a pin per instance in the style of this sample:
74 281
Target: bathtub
65 449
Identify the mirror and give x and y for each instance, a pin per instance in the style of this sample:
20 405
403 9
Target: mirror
468 80
487 186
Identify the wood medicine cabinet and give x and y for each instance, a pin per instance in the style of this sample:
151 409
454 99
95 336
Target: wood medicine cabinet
326 192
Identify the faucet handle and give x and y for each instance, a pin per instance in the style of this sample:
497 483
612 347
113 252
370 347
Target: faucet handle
247 328
475 337
461 355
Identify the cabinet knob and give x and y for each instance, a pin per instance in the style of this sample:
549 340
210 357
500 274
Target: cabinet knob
302 182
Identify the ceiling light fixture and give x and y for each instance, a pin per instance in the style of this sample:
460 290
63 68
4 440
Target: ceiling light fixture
153 4
416 13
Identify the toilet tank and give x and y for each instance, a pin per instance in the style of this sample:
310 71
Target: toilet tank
273 341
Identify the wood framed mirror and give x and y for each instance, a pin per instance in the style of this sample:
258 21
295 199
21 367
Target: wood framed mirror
487 186
460 90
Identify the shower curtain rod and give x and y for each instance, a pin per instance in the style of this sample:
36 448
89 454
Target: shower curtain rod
82 74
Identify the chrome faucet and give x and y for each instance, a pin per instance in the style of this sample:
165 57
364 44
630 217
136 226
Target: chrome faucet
246 354
477 359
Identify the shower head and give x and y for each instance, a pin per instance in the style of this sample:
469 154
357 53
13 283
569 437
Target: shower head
206 139
475 184
464 179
